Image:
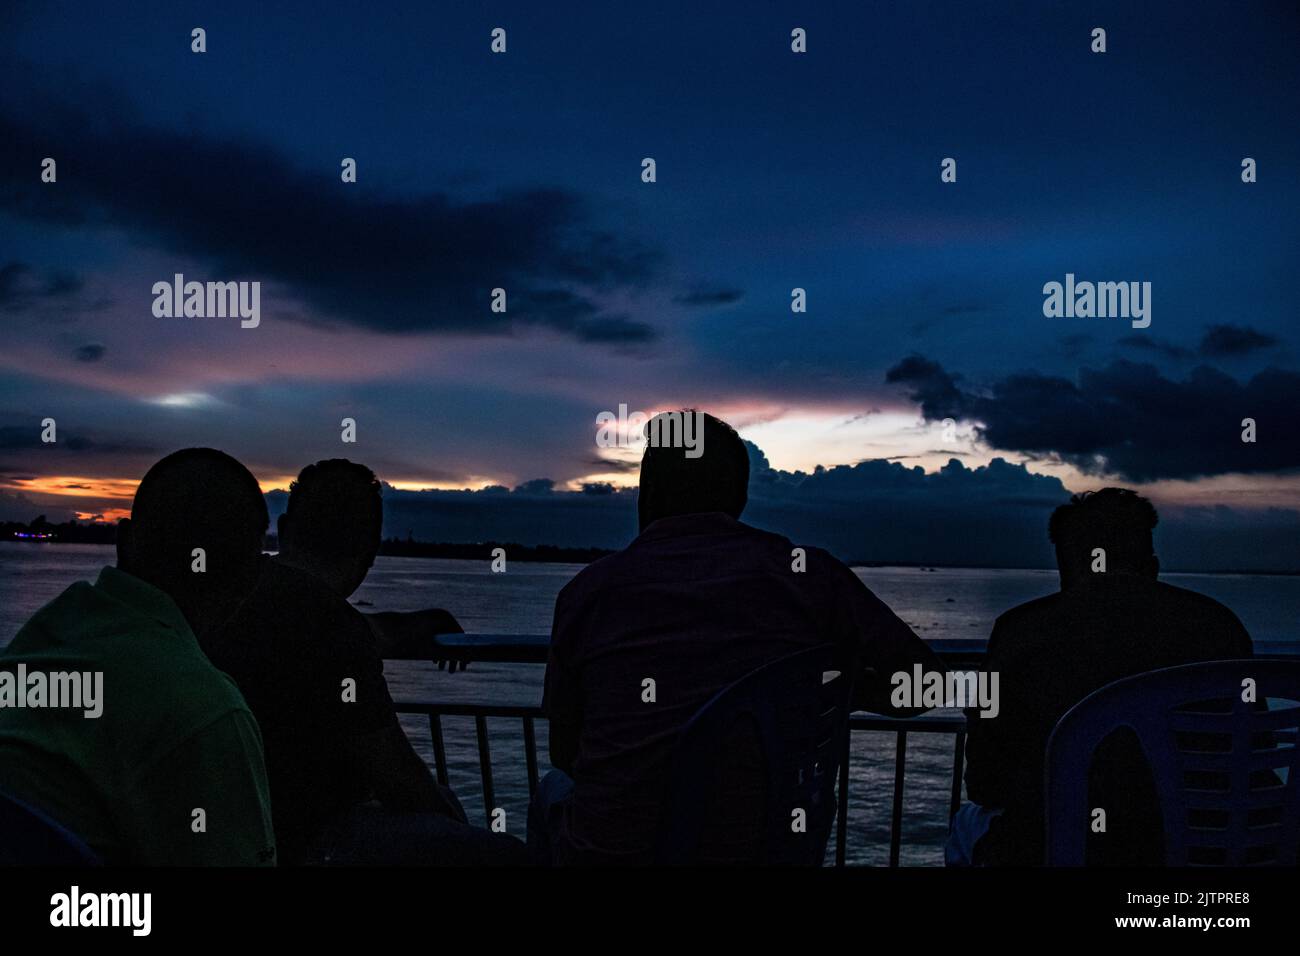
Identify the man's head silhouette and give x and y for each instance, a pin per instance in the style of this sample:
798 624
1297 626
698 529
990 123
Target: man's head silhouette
1110 528
195 532
333 523
673 483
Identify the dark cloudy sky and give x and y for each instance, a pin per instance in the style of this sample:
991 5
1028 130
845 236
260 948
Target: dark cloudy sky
775 171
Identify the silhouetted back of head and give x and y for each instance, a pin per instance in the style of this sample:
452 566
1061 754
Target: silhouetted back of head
334 521
196 530
693 463
1107 531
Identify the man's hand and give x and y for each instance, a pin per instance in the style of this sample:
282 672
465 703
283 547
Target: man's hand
409 635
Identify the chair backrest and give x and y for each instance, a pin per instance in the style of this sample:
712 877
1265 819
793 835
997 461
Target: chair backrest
29 837
797 709
1223 761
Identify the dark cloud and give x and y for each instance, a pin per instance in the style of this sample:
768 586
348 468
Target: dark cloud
710 297
1074 345
1224 341
878 510
63 283
931 386
91 352
1149 343
13 283
860 417
28 437
55 295
875 511
21 288
1126 419
17 506
613 464
20 437
1221 538
392 264
576 316
532 514
537 486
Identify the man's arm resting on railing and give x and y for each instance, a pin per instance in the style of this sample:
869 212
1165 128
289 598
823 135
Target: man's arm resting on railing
409 635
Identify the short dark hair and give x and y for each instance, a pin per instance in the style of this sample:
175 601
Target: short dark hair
672 483
197 497
336 508
1118 520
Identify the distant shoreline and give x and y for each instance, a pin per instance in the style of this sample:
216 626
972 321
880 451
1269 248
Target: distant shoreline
40 532
1053 569
556 554
482 551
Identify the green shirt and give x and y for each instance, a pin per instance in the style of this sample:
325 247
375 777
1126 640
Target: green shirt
174 735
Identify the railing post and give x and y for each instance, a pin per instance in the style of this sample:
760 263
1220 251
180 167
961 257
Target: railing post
439 747
842 817
896 816
485 768
530 754
958 757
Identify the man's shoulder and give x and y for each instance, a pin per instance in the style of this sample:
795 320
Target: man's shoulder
596 573
291 632
631 563
158 688
73 606
81 607
1192 600
161 683
819 559
605 572
92 631
289 585
173 670
1212 617
1026 621
1041 619
289 606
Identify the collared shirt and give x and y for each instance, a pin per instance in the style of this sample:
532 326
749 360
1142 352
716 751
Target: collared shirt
1051 653
171 772
694 603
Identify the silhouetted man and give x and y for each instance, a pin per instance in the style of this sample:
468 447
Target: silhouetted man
171 771
696 602
307 662
1111 619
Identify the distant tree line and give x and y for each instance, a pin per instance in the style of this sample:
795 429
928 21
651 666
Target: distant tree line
70 532
482 551
101 532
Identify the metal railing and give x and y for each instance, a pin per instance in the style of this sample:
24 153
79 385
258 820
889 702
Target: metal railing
455 649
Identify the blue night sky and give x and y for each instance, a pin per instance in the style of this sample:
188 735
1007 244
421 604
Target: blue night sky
775 170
